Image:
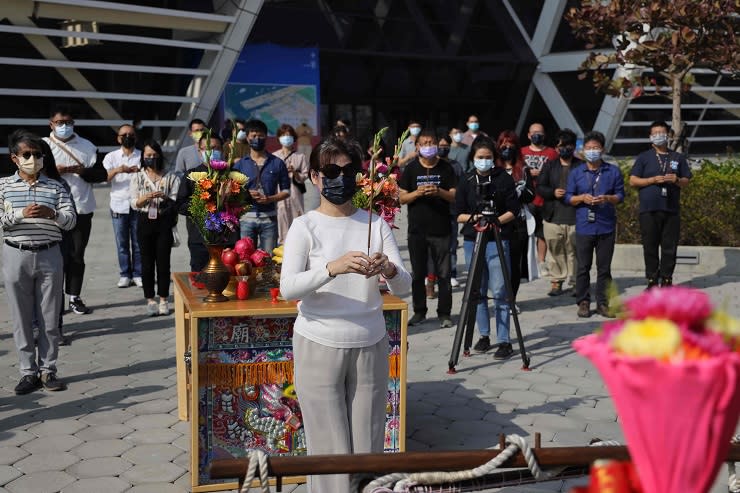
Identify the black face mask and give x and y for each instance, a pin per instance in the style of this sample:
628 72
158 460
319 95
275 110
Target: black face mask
566 152
152 162
257 144
538 139
508 154
340 189
443 151
128 141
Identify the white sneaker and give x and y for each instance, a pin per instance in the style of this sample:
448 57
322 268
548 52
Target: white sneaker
139 283
454 282
124 282
151 308
164 308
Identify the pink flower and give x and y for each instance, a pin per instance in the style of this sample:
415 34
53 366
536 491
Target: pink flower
381 168
219 165
684 306
711 342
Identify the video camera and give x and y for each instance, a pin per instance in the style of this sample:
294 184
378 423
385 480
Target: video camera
486 205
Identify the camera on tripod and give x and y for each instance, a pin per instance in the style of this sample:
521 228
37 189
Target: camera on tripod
486 204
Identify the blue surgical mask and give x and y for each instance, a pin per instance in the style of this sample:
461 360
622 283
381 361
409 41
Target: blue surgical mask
286 140
457 137
415 131
241 135
473 126
659 140
340 189
64 131
428 151
592 155
216 155
483 164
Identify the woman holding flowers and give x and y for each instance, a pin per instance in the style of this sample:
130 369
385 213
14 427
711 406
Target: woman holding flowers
297 165
153 195
339 342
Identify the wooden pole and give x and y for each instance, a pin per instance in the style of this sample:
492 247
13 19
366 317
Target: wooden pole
423 461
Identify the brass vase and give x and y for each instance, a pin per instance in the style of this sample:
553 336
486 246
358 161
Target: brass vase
216 275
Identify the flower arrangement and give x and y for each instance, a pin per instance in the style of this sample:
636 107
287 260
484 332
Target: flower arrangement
672 365
377 189
219 198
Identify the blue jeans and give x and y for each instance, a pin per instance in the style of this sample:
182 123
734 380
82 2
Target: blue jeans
491 279
124 230
262 230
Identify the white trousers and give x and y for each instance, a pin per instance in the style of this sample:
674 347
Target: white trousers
342 393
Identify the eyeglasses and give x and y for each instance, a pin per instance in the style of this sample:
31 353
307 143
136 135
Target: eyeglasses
59 123
28 154
332 171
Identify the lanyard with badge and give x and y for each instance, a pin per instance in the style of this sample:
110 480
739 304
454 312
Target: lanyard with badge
663 168
594 185
153 210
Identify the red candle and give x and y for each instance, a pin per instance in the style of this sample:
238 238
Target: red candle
242 290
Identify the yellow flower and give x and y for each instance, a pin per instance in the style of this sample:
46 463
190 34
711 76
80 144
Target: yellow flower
196 176
240 178
657 338
725 324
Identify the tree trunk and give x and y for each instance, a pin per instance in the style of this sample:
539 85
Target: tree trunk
676 122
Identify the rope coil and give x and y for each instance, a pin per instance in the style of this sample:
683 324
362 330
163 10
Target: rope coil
257 465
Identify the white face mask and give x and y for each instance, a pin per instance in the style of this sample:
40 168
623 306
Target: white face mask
30 166
64 131
241 136
286 140
483 164
415 131
457 137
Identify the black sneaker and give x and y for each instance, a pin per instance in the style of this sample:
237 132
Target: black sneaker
483 345
50 382
417 319
504 351
651 283
28 384
665 282
79 307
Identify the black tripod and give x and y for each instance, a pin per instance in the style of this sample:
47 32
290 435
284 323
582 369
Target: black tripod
466 324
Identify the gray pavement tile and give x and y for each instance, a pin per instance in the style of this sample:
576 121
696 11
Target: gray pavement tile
57 427
102 448
98 485
15 437
8 474
182 427
11 455
157 488
141 437
459 412
156 406
592 413
112 416
149 421
164 472
40 482
147 454
52 443
525 398
99 467
46 461
182 442
103 432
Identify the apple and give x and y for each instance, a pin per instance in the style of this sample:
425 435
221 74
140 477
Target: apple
259 258
243 269
229 257
244 248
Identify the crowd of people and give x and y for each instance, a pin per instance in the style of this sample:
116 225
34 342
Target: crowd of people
556 207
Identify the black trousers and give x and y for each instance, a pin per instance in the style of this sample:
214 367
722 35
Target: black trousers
155 245
659 229
198 256
585 247
518 252
421 248
74 254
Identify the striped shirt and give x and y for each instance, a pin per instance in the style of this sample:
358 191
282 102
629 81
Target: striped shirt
16 194
141 185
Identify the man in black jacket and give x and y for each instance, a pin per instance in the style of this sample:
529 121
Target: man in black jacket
559 218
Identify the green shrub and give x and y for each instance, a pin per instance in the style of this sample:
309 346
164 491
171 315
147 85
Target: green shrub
710 207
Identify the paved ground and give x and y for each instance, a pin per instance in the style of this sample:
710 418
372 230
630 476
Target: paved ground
116 428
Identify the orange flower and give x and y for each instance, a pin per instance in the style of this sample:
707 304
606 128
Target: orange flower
205 195
211 207
235 188
205 184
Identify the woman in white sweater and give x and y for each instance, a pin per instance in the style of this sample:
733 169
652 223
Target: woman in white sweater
340 345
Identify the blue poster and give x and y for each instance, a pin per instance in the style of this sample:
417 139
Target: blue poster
275 84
